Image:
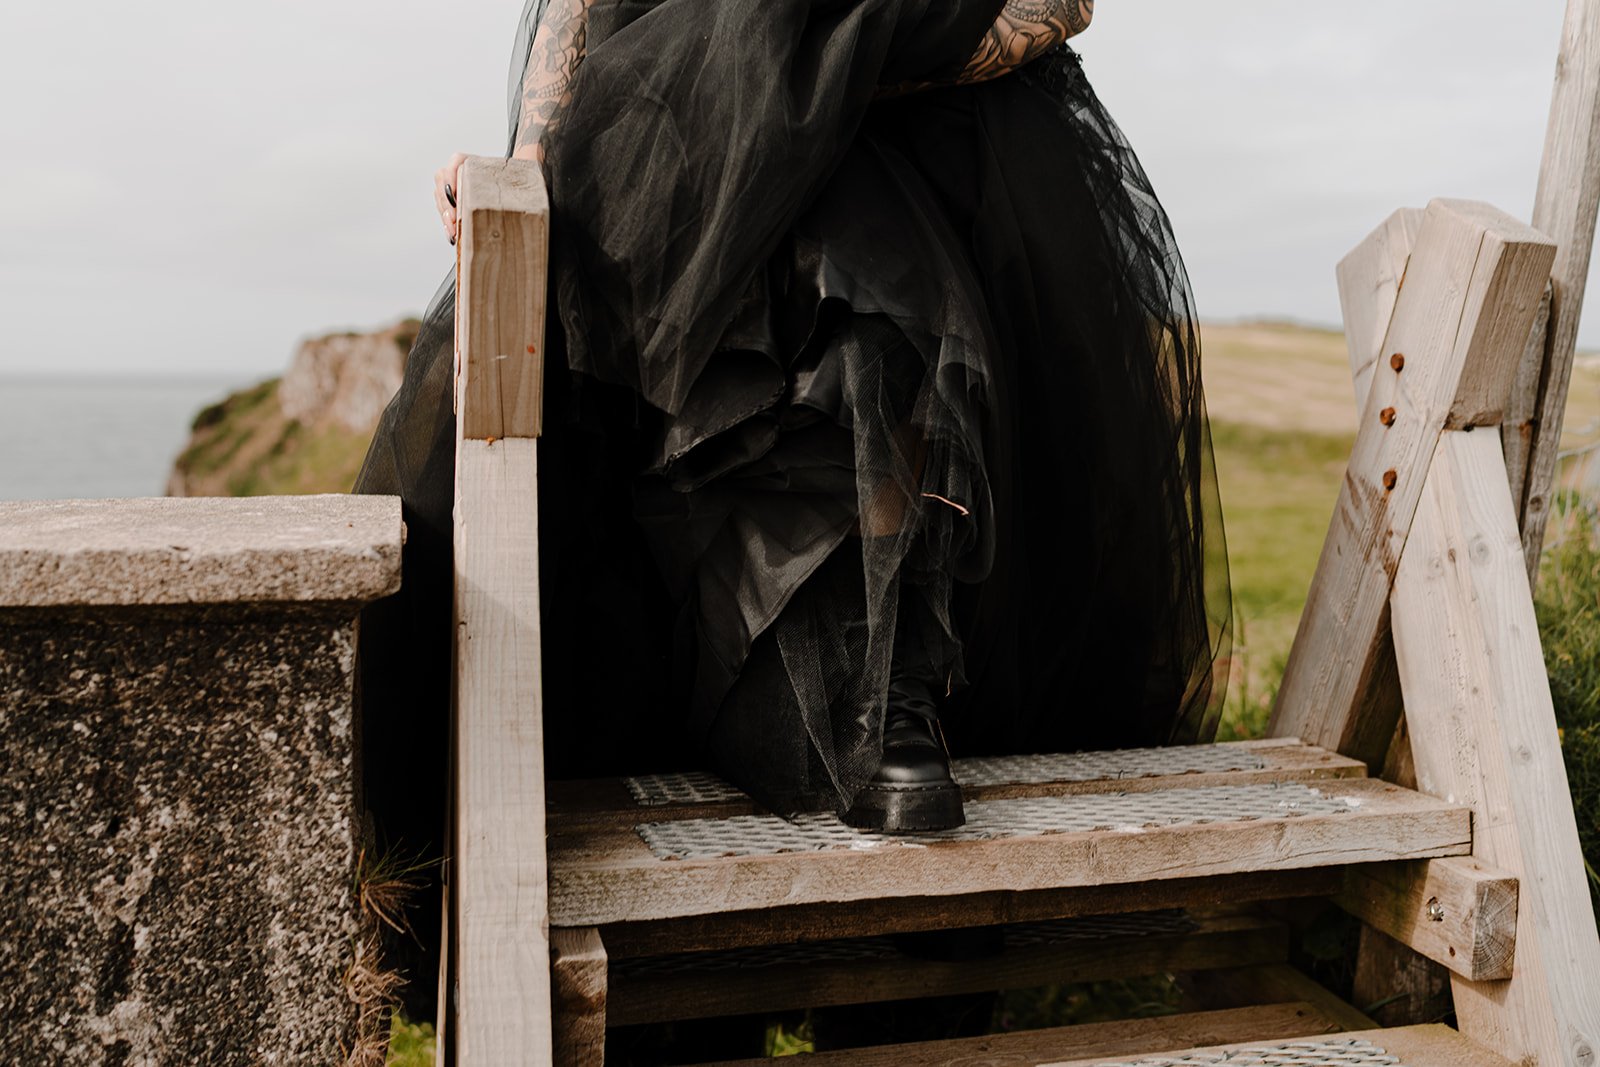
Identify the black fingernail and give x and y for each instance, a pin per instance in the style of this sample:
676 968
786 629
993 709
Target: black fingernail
449 194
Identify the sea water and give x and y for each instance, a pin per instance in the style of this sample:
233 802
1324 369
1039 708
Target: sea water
96 437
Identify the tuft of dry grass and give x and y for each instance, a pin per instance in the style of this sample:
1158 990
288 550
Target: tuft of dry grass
385 885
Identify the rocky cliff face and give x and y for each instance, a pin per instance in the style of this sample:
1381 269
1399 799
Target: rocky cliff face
303 433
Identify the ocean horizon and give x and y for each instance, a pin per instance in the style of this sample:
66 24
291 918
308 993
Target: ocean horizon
100 436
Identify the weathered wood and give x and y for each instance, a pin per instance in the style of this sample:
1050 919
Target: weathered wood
1522 413
579 996
892 915
500 297
587 804
1565 208
1415 1046
1458 911
1031 1048
606 877
1274 983
1479 708
818 979
1395 985
1370 277
1471 290
498 870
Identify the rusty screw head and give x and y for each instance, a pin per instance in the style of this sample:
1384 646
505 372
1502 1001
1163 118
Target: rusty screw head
1435 910
1389 478
1386 416
1397 361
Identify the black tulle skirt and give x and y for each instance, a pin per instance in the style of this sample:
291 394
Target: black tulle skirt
822 366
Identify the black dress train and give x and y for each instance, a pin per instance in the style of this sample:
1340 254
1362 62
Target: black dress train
819 366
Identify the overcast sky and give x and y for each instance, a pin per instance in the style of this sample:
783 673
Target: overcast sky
191 186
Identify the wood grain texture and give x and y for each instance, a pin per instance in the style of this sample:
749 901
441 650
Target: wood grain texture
580 995
612 876
1370 277
1415 1046
1522 416
588 804
1219 941
1565 208
1031 1048
1471 290
1395 985
498 872
804 923
1479 708
1457 911
500 297
1275 983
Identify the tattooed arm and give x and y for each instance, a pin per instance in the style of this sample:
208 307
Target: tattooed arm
558 48
1025 30
556 51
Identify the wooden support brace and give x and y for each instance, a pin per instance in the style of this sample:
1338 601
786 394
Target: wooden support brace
1458 912
1484 733
499 877
578 975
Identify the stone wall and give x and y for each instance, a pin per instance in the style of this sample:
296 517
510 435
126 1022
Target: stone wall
179 806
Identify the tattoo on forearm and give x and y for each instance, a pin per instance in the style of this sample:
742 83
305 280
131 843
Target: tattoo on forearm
1025 30
558 48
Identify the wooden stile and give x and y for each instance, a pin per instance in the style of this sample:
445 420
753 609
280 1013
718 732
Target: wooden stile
498 872
1458 912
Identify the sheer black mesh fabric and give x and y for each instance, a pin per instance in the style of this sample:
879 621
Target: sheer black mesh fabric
822 366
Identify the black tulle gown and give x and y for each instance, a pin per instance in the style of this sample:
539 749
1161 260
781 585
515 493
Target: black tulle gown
822 365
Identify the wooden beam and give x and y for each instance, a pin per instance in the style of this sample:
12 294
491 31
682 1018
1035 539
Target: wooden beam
1414 1046
1370 277
698 987
1565 208
1031 1048
1395 985
1459 911
1274 983
1471 291
579 993
1484 732
607 877
498 870
803 923
500 297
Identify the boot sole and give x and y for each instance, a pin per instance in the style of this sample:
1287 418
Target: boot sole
908 809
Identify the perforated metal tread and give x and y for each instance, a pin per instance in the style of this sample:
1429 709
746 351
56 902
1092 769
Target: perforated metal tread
697 787
1323 1052
1017 935
768 835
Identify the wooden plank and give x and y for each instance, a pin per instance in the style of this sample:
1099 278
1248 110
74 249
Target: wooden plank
1457 911
579 994
500 297
1031 1048
609 877
1395 985
1369 284
805 923
1413 1046
1272 984
1565 208
1470 293
498 870
681 991
576 806
1479 708
1522 411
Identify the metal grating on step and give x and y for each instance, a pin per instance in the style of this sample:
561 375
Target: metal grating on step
1100 766
1332 1052
850 950
767 835
698 787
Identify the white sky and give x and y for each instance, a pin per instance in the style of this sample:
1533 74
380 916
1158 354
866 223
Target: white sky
191 186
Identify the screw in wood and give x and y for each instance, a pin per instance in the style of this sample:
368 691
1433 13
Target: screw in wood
1386 416
1389 478
1435 910
1397 361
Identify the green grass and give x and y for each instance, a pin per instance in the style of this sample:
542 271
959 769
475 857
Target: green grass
410 1044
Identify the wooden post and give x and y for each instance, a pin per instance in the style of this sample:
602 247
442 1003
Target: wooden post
579 976
1458 330
1565 208
499 879
1484 733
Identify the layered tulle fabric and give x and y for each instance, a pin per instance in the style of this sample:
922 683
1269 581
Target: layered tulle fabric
821 366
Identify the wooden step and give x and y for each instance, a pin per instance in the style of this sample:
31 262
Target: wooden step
1097 819
1286 1035
870 969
